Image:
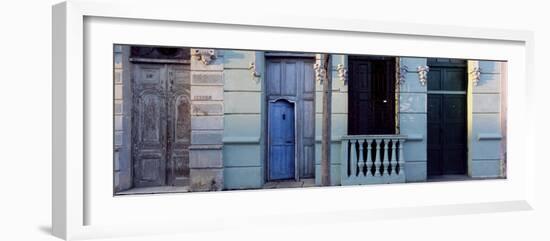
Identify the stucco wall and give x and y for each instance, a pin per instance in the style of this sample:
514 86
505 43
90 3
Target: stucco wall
486 127
413 120
207 123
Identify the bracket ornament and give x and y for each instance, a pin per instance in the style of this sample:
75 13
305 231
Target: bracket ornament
423 74
254 72
402 74
476 75
342 73
204 55
320 72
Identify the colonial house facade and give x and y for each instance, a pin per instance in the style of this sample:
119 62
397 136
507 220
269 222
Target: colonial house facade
213 119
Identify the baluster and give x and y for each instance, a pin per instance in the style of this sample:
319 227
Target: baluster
353 156
393 161
377 160
385 170
344 157
369 158
401 158
361 163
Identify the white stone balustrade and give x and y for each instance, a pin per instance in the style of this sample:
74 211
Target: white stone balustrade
372 159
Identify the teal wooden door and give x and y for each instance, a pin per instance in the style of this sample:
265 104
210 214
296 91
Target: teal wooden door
281 140
447 124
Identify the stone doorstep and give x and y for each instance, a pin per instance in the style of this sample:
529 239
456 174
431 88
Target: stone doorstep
307 182
269 185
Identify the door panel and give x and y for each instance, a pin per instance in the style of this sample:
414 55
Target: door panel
150 125
454 79
161 121
371 96
289 83
434 76
435 142
273 73
282 140
307 158
454 119
447 78
151 168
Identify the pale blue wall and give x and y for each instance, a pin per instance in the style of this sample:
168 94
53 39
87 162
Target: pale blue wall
413 120
485 153
242 151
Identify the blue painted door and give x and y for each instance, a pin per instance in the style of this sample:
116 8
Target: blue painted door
281 140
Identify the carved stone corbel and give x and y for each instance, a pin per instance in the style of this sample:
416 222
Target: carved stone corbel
342 73
204 55
320 72
475 75
423 74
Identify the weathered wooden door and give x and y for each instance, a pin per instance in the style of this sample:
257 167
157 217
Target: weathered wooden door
179 124
371 108
282 140
293 79
161 124
447 148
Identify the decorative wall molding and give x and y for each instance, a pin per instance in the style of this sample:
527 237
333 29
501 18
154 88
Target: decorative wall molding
423 74
320 72
489 136
241 139
204 55
415 137
342 73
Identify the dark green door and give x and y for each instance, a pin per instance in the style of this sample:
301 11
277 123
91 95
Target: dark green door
447 130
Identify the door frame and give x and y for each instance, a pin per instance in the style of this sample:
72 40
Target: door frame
469 111
292 101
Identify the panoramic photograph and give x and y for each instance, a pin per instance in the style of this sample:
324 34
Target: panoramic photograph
189 119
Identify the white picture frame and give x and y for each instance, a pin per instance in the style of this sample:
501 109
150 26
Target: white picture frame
83 204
